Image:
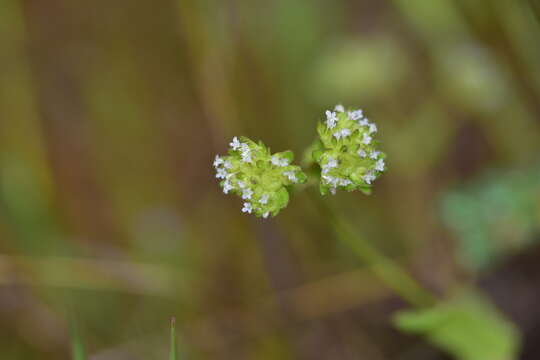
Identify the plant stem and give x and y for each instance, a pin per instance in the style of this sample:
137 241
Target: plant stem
173 350
387 270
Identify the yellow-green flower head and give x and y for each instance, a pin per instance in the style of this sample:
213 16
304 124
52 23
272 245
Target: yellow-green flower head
259 177
348 152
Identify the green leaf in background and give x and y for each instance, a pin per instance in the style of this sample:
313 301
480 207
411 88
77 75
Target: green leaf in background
468 327
494 216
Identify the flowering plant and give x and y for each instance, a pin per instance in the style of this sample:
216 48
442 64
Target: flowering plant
346 153
261 178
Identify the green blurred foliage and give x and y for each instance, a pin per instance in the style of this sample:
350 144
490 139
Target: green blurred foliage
494 217
467 326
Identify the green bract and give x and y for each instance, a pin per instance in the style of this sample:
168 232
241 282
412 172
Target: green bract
347 152
260 178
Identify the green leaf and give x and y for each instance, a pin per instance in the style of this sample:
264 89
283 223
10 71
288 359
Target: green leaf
289 155
282 198
323 189
468 327
365 190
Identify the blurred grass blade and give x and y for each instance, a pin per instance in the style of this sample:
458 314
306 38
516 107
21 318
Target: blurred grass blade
173 353
77 345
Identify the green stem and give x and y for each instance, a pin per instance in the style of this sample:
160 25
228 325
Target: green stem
173 351
387 270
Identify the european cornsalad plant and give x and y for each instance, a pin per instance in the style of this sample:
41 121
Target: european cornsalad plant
348 157
346 152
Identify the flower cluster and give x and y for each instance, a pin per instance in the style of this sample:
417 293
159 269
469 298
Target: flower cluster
257 176
347 151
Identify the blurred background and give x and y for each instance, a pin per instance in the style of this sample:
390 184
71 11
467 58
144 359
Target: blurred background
111 220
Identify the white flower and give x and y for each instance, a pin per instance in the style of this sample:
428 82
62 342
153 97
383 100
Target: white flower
218 161
344 182
379 165
362 153
227 187
372 128
331 119
356 115
264 199
366 139
246 157
221 173
247 193
241 184
331 180
247 208
369 178
374 155
246 153
291 176
235 144
332 163
364 122
339 108
343 133
265 215
276 161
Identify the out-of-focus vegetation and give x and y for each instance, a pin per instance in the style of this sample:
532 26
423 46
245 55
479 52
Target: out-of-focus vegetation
495 217
111 221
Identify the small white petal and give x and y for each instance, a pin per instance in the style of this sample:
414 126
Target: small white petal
339 108
235 144
227 187
264 199
366 139
355 115
332 163
345 133
291 176
331 119
362 153
369 178
372 128
246 194
375 155
379 165
221 173
218 161
247 208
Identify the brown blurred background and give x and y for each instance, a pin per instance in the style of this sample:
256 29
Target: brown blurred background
110 217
